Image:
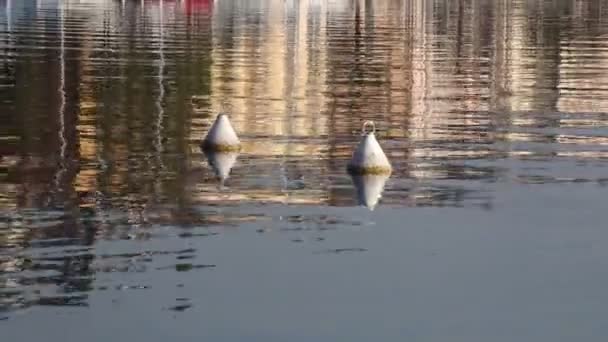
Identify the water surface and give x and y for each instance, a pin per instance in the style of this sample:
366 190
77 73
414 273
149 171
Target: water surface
114 226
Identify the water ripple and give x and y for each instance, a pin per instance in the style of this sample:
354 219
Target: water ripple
103 106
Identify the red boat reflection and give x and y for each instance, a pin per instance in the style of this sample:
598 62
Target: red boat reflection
189 6
198 6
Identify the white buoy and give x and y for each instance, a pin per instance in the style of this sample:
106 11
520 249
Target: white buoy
221 136
221 163
368 158
369 189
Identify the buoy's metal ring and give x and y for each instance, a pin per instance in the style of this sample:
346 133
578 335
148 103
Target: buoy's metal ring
366 124
225 107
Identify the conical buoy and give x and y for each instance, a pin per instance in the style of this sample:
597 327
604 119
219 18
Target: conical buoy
368 158
221 136
221 163
369 189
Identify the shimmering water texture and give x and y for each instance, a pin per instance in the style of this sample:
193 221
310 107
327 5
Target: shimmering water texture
115 225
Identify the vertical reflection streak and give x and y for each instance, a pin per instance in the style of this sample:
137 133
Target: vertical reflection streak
9 26
289 102
161 89
9 31
62 99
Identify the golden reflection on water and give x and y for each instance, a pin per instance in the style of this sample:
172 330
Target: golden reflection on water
445 81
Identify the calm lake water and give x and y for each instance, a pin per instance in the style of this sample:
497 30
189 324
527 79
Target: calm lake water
114 227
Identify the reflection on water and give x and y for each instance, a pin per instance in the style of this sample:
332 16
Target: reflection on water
104 104
221 163
369 188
